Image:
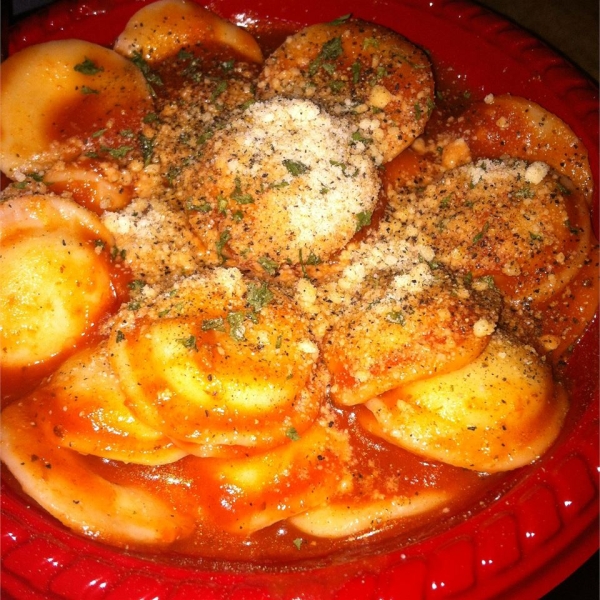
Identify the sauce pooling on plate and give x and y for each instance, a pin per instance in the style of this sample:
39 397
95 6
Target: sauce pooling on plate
309 305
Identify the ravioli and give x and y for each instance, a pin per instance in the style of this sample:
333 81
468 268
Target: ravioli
58 280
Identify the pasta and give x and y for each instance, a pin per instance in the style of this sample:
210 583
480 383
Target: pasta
277 305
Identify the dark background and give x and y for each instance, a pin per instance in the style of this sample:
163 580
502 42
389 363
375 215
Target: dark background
571 28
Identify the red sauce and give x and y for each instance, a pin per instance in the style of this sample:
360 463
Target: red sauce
90 113
190 483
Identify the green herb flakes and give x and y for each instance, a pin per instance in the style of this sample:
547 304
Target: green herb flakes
292 434
151 77
136 285
236 326
363 219
238 195
341 20
295 167
258 296
86 90
370 43
120 152
189 342
220 244
219 89
356 69
217 324
357 136
525 192
396 317
201 205
481 234
147 148
268 264
88 67
331 50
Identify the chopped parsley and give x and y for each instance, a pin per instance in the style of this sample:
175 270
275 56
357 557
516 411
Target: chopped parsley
221 204
201 206
312 259
116 253
217 324
357 136
88 90
258 296
445 201
525 192
481 234
370 43
244 105
292 434
268 264
331 50
189 342
136 285
172 174
150 118
278 185
221 242
151 77
573 230
295 167
341 19
344 168
236 327
220 89
562 189
418 112
120 152
203 138
184 55
88 67
238 195
363 219
35 176
147 148
489 281
356 69
396 317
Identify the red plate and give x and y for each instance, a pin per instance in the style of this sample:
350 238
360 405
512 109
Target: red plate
519 546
